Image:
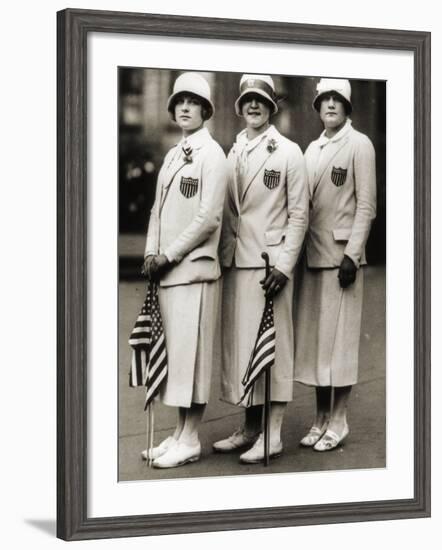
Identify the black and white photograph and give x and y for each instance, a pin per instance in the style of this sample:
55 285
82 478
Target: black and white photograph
219 219
252 273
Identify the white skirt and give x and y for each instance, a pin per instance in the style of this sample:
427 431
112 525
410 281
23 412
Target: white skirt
243 306
328 327
191 321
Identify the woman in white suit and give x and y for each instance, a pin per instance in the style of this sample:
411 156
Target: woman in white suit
266 211
181 254
342 186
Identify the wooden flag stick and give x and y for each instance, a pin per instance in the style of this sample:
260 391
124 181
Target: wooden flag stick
267 387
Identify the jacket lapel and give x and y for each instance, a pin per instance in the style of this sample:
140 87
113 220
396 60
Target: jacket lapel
196 142
254 174
329 154
273 135
169 179
233 187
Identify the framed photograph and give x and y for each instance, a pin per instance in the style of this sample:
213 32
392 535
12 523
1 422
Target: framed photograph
151 109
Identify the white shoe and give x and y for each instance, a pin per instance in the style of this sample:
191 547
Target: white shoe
330 440
237 440
256 453
177 455
313 436
156 452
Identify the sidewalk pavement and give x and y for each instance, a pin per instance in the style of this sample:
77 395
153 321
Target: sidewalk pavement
364 448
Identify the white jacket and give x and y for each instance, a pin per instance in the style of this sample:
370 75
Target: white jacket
342 187
272 213
185 221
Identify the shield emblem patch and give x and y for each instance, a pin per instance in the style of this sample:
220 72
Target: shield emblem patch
188 187
271 178
338 176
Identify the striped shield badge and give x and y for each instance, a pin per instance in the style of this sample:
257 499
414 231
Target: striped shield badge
338 176
188 187
271 178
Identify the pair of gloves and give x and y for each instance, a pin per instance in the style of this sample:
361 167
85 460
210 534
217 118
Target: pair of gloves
276 280
154 268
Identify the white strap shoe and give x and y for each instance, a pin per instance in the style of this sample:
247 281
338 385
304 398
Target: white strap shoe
330 440
313 436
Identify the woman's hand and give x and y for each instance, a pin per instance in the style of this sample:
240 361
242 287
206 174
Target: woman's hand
148 266
274 283
347 272
162 265
155 266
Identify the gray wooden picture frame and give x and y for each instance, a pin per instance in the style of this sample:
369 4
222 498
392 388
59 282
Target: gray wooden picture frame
73 27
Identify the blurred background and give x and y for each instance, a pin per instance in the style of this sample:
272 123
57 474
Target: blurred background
146 133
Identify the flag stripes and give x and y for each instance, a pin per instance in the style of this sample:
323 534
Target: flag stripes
149 355
154 380
138 365
263 354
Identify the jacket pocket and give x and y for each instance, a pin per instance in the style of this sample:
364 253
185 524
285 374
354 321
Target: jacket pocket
273 237
342 234
201 253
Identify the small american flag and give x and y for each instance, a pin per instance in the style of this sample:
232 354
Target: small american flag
149 356
263 355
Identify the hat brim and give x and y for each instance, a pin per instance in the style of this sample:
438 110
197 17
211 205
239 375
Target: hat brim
172 100
317 100
257 91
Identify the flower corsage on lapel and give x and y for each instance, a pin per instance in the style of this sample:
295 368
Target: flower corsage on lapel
272 145
187 153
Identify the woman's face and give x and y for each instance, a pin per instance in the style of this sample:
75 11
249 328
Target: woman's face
188 113
255 111
332 112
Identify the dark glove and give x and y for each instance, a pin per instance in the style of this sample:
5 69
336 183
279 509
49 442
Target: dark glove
274 283
347 272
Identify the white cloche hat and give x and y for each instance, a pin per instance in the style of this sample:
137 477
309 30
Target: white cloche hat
338 85
257 84
195 84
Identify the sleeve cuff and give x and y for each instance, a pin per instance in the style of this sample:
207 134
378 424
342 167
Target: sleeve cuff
173 259
355 259
284 271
